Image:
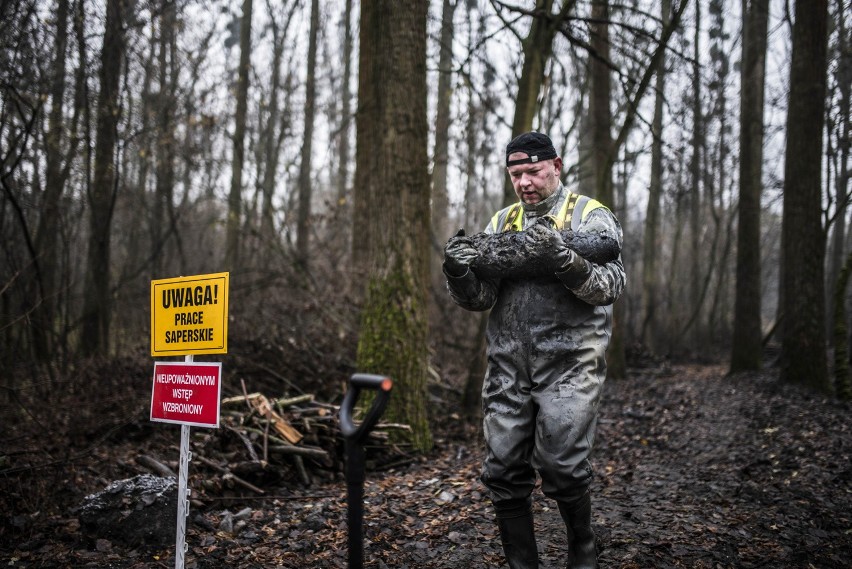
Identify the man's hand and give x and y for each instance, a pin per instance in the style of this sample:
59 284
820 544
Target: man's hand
459 254
571 268
543 236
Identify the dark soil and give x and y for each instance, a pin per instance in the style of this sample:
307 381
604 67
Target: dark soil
695 469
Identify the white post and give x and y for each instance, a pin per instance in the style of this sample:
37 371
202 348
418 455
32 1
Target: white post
183 492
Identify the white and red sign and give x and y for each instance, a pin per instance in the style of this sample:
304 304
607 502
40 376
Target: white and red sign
187 393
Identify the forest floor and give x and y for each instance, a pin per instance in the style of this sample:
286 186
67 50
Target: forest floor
695 469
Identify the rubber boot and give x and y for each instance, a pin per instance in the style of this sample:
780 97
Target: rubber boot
581 539
517 535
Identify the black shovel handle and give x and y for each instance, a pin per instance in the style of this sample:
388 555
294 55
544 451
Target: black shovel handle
383 385
355 462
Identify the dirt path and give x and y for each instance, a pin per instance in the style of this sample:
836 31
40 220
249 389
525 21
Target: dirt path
694 470
700 470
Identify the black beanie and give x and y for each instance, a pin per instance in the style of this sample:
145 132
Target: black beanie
536 145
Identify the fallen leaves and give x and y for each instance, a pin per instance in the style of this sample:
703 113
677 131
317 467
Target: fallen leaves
695 470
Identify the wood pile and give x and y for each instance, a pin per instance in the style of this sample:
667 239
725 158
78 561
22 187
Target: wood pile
265 443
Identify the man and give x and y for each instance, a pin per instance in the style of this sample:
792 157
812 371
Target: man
547 335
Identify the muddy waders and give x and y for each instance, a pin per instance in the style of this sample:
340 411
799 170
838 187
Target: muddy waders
547 337
581 539
517 534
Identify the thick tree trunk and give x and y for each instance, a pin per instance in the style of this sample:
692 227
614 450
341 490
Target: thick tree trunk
97 306
392 181
746 349
803 351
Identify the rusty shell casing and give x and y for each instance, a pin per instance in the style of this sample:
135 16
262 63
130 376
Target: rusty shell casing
511 255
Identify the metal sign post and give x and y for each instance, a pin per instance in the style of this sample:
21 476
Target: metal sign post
183 493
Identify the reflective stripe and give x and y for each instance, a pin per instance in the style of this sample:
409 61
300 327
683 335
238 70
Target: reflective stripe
508 218
566 212
514 220
585 206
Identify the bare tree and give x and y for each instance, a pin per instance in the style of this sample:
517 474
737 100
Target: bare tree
163 213
232 238
304 181
343 146
46 238
274 132
537 49
651 242
97 306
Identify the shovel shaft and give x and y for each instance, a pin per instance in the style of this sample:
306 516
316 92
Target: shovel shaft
354 436
355 499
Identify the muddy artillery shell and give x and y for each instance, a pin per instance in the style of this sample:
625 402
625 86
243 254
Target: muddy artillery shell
511 255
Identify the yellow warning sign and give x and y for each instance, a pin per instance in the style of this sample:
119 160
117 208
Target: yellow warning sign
189 315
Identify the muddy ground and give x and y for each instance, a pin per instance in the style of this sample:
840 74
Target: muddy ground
695 469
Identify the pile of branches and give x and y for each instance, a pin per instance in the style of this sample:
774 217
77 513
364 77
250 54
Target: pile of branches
266 443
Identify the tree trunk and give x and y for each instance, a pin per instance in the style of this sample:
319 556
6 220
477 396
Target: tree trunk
695 186
599 101
392 179
440 197
746 349
304 183
650 245
232 238
270 172
601 131
843 80
274 132
473 324
97 305
46 238
441 222
164 195
343 146
803 350
842 384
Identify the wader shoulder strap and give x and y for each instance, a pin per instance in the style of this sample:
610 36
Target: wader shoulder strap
508 219
581 204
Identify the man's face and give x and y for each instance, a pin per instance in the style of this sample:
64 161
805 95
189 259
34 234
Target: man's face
536 181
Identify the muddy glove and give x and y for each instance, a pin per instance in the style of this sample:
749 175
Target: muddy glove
571 268
459 254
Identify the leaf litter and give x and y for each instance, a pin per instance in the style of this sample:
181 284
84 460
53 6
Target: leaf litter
695 469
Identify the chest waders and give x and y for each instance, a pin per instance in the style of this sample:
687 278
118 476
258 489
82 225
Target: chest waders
546 367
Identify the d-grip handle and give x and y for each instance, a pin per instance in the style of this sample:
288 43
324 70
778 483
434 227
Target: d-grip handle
383 385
